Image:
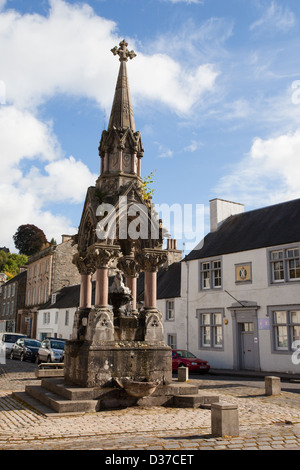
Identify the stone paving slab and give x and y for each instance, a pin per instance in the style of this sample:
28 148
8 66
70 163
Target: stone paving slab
266 423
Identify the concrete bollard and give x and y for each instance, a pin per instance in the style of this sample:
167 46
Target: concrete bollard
224 420
272 385
183 374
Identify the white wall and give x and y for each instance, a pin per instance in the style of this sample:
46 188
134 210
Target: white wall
57 325
259 291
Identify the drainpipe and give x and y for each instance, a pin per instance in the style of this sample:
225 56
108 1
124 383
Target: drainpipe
187 305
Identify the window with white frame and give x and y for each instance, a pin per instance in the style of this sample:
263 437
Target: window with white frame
285 265
67 318
285 328
170 311
211 274
172 341
46 318
210 329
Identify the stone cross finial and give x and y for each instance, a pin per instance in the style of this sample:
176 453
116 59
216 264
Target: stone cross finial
123 52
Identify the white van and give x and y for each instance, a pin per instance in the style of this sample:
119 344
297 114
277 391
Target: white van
7 340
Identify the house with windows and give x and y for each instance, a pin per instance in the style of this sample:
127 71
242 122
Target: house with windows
239 304
56 317
12 298
48 271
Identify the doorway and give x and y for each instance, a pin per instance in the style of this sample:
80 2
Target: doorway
247 345
245 336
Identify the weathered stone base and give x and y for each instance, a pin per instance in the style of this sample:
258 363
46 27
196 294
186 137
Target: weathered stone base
98 365
62 397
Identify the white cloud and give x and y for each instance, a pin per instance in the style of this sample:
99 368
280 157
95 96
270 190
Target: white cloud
66 180
193 146
275 17
26 194
162 79
163 151
269 173
68 52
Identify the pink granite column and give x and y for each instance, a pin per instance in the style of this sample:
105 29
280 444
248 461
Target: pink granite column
150 289
85 291
133 163
101 295
139 167
120 161
105 165
131 283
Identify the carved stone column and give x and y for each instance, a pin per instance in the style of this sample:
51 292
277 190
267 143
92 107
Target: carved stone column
150 260
85 269
101 255
130 268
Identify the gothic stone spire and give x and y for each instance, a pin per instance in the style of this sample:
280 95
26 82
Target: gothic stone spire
122 112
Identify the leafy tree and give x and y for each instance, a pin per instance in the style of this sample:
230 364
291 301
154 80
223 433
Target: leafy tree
10 263
29 239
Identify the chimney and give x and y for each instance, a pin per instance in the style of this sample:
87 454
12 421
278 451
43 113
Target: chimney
220 210
174 255
65 238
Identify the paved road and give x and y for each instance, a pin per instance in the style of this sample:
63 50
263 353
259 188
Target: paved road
266 423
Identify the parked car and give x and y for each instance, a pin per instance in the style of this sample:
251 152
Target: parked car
7 341
181 357
51 350
25 349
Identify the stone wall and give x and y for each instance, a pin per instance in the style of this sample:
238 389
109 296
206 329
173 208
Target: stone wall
64 272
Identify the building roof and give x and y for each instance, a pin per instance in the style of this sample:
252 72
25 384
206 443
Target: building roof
67 297
261 228
17 278
168 283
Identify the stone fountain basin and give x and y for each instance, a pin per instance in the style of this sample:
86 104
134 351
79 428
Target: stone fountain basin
139 389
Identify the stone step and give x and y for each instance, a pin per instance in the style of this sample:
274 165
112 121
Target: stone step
59 403
69 391
194 401
42 373
176 389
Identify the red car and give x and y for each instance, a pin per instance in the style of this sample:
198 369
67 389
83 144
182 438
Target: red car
187 359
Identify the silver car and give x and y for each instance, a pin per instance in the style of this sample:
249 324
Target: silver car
51 350
7 340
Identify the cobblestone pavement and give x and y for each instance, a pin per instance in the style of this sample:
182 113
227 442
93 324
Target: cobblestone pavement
266 423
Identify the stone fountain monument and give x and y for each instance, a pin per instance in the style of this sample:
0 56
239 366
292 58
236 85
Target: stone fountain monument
118 231
117 359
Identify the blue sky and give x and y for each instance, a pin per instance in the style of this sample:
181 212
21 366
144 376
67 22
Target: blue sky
215 89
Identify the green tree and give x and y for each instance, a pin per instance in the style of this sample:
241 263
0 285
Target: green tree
29 239
10 263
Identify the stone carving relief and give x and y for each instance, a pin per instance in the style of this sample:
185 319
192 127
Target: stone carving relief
126 162
114 161
128 266
150 260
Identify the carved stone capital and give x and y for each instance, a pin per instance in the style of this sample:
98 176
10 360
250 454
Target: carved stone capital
102 255
82 261
129 266
151 259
